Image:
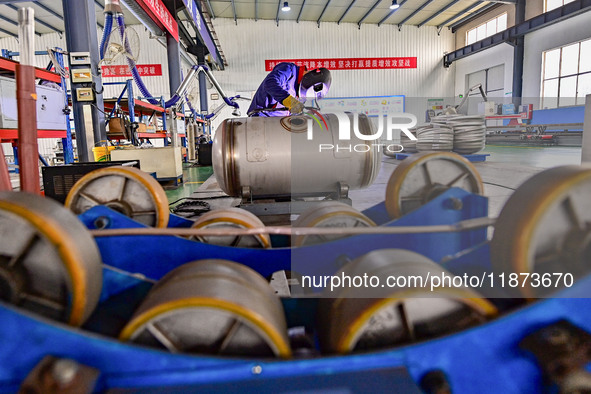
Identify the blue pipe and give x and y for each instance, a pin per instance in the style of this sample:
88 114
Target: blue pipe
106 32
136 75
231 103
192 109
42 160
134 72
228 100
67 146
172 102
115 106
138 80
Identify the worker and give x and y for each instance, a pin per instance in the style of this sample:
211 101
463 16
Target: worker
289 85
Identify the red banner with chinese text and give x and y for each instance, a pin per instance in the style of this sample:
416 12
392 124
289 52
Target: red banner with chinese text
145 70
366 63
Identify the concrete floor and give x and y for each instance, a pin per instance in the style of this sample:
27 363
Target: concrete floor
530 156
505 169
500 179
193 178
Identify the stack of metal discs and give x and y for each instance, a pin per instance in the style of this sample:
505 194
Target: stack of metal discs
409 145
469 132
432 137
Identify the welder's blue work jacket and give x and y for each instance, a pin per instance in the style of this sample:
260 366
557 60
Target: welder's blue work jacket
279 84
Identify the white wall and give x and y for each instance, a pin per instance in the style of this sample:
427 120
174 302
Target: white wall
571 30
248 44
501 54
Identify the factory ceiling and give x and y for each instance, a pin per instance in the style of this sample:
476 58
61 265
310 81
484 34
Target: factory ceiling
48 16
419 13
439 13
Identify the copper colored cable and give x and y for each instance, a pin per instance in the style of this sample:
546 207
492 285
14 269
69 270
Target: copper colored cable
28 150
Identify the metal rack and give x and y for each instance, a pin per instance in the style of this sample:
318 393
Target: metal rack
11 135
132 106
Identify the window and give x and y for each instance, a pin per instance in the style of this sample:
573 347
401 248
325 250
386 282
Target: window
566 75
487 29
550 5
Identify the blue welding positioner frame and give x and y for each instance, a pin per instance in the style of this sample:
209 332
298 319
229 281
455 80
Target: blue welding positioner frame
485 358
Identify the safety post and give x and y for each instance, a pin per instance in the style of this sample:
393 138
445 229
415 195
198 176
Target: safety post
5 185
26 95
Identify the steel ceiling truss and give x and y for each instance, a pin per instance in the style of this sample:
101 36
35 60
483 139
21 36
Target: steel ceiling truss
37 20
373 7
346 11
369 11
467 18
459 14
322 13
300 13
234 12
52 12
435 15
414 13
389 14
511 34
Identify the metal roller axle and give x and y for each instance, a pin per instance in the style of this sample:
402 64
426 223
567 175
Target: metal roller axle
214 307
362 318
49 263
127 190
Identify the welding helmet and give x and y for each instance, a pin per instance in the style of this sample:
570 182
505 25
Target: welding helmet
315 83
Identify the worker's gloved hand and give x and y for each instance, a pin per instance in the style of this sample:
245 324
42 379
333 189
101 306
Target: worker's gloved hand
294 106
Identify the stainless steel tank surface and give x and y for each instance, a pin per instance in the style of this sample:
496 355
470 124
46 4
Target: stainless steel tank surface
295 155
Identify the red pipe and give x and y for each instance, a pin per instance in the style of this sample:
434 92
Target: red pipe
28 150
5 185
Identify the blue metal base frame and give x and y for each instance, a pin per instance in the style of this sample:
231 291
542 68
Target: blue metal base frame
482 359
471 158
154 256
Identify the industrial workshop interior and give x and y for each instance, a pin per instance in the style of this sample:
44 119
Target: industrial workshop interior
285 196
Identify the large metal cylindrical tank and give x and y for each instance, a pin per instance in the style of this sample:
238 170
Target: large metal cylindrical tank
297 155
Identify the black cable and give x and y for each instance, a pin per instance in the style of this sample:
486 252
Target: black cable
196 200
200 198
96 91
193 207
496 184
212 197
189 198
180 199
104 113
